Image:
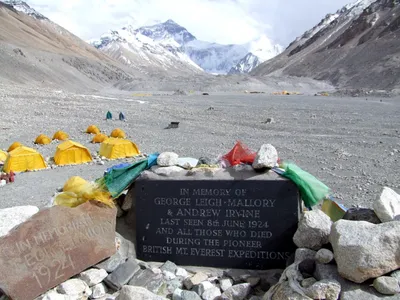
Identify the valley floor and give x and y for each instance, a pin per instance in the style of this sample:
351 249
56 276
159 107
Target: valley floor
351 144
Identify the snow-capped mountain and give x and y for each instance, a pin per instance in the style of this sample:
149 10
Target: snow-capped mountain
211 57
25 8
260 51
138 51
168 30
356 47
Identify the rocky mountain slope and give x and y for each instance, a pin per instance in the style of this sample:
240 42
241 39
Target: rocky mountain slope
357 47
36 51
186 48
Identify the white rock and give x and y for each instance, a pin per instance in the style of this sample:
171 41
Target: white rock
129 199
267 157
167 171
313 230
324 256
93 276
225 284
168 275
73 287
211 293
195 280
387 206
53 295
167 159
137 293
98 291
181 272
13 216
387 285
364 250
187 162
3 182
396 274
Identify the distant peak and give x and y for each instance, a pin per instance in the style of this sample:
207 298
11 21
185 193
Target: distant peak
172 22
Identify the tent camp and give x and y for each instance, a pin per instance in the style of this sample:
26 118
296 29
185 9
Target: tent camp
99 138
24 159
3 155
118 133
60 135
71 152
42 139
114 148
13 146
93 129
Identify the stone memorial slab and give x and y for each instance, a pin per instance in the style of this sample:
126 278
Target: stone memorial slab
52 246
247 222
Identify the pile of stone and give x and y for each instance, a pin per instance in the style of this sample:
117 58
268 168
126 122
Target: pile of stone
123 277
357 257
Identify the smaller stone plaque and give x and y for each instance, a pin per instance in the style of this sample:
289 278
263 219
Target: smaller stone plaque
54 245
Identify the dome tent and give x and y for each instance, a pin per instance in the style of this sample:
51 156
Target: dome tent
114 148
42 139
14 146
93 129
99 138
60 135
24 159
118 133
71 152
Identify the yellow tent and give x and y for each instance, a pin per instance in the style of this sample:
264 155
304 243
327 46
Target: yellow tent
93 129
71 152
99 138
114 148
3 155
118 133
60 135
14 146
24 159
43 140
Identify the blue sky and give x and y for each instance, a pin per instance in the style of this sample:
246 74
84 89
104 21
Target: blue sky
222 21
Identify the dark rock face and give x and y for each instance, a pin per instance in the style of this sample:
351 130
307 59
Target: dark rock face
362 214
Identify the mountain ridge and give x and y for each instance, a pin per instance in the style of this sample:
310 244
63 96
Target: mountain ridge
211 57
350 49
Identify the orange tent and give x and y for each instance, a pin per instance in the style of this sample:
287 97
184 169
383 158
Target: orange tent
99 138
118 133
14 146
93 129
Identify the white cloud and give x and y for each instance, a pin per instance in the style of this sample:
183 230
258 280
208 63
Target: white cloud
222 21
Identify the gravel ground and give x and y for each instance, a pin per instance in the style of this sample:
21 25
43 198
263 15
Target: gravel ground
351 144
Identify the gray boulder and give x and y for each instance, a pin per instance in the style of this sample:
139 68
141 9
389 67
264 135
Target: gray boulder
167 171
267 157
313 230
324 256
13 216
324 289
238 291
285 292
303 254
387 285
137 293
387 206
364 250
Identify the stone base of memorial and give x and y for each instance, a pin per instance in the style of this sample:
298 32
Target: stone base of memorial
226 218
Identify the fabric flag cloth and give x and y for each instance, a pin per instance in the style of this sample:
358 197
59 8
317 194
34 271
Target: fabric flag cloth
311 189
119 179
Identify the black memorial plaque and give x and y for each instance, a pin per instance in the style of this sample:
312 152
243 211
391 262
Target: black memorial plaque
218 223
